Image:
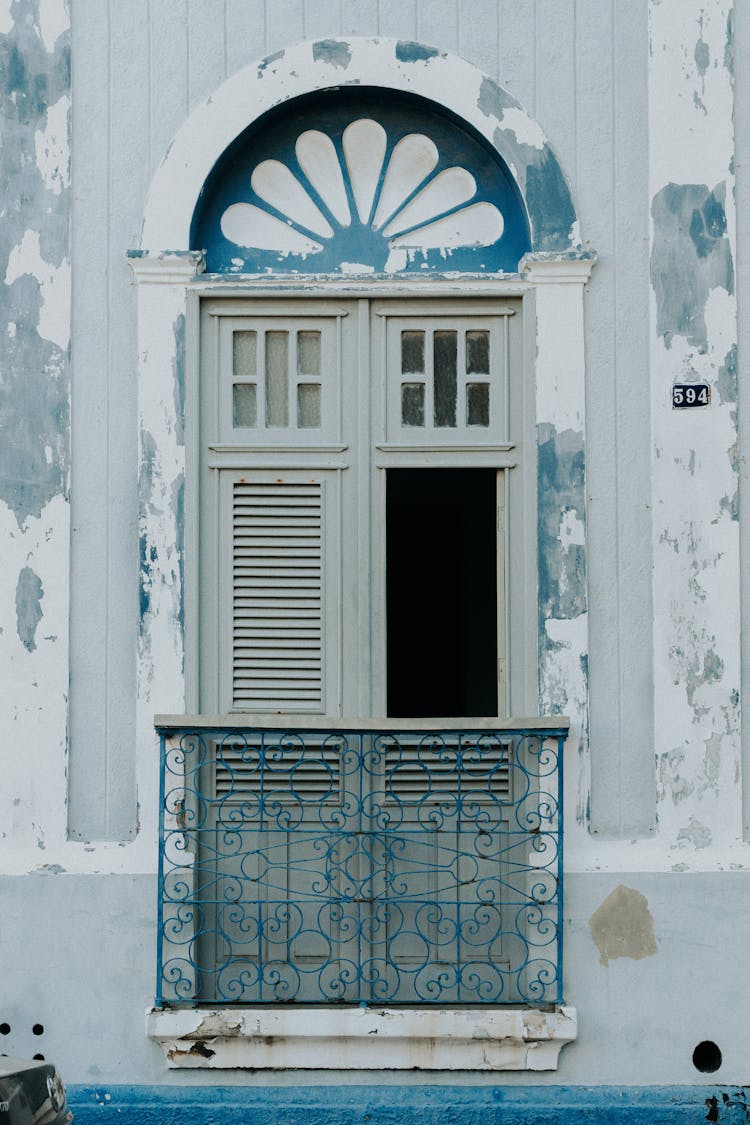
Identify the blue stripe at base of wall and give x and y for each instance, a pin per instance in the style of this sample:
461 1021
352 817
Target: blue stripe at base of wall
411 1105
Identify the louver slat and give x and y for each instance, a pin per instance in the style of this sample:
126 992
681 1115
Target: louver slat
414 773
278 590
291 774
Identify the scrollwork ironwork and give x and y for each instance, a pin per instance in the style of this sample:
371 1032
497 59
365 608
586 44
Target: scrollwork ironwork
379 867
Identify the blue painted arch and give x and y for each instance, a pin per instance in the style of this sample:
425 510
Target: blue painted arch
262 91
357 243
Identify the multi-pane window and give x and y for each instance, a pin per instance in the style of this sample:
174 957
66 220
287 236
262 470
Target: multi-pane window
276 378
341 525
452 377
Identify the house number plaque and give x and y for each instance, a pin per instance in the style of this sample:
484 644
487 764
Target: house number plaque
690 394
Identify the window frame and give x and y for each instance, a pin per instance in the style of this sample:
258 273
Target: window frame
377 301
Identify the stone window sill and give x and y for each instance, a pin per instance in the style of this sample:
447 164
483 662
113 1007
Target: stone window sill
286 1038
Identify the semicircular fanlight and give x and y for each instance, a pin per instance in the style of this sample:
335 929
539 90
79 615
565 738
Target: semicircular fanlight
398 193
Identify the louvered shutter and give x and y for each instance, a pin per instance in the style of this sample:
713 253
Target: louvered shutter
277 594
280 531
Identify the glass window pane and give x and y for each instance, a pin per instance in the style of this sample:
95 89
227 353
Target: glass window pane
277 378
478 352
412 404
245 353
478 404
308 353
412 353
308 406
244 405
445 344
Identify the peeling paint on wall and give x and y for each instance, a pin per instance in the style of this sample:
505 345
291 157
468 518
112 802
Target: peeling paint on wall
535 166
29 594
178 378
34 260
34 421
694 464
690 256
407 51
332 51
729 44
560 507
178 507
146 550
549 203
695 833
727 380
623 926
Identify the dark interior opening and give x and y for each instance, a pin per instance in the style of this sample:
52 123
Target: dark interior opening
441 592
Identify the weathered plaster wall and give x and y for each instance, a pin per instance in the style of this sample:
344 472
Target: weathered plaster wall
742 277
694 460
34 419
581 69
640 1015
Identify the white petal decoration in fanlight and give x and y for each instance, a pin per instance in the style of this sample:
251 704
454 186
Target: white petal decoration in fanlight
318 160
412 208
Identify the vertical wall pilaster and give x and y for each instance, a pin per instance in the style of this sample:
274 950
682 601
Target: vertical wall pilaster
561 506
162 280
696 588
35 422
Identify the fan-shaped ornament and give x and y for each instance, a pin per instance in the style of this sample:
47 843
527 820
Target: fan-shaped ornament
396 205
378 185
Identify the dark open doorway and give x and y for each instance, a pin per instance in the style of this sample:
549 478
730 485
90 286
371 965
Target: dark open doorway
441 592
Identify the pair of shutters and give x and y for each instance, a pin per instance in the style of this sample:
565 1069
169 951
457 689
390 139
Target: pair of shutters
284 477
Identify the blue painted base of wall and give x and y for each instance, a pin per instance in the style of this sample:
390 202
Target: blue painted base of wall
411 1105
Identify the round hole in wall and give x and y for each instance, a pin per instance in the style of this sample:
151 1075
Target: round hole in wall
38 1029
4 1029
707 1057
39 1058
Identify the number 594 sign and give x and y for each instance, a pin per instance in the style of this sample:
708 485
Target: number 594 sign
690 394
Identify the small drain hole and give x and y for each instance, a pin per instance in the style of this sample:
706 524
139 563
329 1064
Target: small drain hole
38 1029
707 1057
4 1029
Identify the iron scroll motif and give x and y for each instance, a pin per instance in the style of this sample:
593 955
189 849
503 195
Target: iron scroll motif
360 867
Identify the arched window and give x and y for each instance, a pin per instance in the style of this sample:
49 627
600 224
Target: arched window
356 182
388 319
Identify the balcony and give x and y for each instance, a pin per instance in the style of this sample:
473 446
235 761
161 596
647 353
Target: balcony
379 862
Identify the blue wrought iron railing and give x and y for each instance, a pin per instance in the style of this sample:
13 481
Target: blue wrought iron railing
375 862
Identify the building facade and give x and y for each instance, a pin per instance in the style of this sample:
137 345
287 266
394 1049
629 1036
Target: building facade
373 509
